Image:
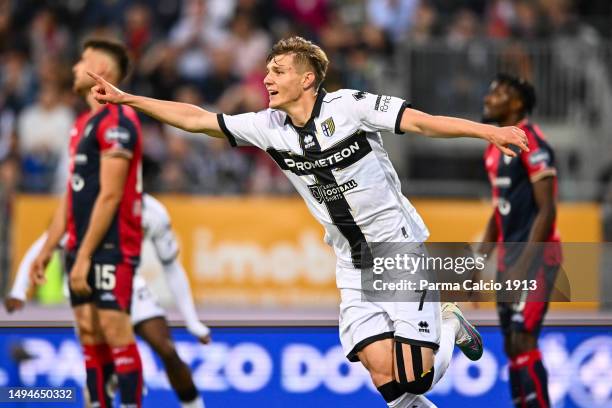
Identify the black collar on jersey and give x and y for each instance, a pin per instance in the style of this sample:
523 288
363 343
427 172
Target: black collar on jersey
315 111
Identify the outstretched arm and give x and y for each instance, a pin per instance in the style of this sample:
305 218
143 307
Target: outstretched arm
54 234
22 283
17 296
181 115
544 194
179 285
156 223
444 126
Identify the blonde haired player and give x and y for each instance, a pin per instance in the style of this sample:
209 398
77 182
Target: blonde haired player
329 146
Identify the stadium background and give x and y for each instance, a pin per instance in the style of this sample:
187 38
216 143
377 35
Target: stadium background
256 259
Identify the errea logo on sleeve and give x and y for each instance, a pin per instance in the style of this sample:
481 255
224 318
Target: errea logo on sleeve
359 95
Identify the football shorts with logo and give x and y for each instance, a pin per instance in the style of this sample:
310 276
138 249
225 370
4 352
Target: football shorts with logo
364 320
111 284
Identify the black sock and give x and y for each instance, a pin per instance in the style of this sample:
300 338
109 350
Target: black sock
188 394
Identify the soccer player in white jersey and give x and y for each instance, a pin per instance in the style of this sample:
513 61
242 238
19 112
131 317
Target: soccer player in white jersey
148 317
329 146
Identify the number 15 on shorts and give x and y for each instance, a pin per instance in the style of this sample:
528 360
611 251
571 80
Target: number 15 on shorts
105 276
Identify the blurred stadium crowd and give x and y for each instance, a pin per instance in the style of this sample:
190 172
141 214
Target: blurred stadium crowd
212 53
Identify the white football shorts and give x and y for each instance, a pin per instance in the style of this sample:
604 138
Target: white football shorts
145 304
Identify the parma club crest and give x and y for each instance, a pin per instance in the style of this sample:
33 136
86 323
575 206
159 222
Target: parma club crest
328 127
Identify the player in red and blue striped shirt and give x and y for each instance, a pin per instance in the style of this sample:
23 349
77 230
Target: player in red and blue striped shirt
524 196
101 213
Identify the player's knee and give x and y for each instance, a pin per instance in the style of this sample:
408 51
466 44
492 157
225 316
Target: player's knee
170 357
421 384
87 325
415 379
166 351
117 329
519 343
391 391
111 332
89 332
379 378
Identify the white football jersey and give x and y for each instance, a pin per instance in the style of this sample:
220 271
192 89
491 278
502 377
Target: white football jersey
339 166
157 228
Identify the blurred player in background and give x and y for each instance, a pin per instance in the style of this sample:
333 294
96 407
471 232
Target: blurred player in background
101 213
524 195
329 146
148 318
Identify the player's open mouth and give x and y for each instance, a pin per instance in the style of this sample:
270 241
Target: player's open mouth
272 93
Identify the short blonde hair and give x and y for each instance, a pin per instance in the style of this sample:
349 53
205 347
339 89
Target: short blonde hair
305 54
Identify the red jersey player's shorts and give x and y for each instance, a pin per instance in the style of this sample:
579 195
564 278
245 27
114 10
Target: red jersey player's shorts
527 314
110 283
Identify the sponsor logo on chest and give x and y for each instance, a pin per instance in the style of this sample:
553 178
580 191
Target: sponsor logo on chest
340 155
87 130
332 160
326 193
80 158
503 182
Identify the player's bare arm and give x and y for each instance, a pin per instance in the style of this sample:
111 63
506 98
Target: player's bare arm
114 167
415 121
178 283
544 195
543 191
181 115
56 231
490 236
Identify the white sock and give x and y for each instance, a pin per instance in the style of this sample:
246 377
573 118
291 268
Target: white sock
411 401
444 355
196 403
402 402
422 402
